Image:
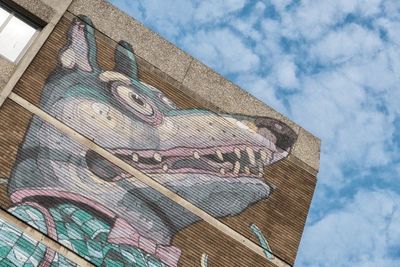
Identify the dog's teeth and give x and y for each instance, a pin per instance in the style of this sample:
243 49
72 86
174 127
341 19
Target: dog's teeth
237 152
219 154
135 157
196 155
165 167
263 155
236 168
222 171
261 169
157 157
250 154
247 170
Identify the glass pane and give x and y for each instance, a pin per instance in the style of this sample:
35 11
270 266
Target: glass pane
3 15
14 37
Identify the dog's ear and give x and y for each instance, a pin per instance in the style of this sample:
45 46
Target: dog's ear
125 60
80 51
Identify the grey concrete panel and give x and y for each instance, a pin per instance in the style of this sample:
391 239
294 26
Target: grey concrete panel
57 5
307 149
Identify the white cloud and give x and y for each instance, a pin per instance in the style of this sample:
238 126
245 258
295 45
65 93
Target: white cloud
391 8
345 116
130 7
166 17
346 43
246 25
369 8
170 18
391 28
280 5
286 73
355 235
222 50
313 18
209 10
261 87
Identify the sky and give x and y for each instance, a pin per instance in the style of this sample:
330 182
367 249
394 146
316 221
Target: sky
331 66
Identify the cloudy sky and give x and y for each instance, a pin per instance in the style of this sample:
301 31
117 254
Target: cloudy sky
334 68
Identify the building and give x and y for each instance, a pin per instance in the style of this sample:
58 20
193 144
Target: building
119 149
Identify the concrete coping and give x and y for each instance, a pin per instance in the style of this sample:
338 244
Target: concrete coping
192 76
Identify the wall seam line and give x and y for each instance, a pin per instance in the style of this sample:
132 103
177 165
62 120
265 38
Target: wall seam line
186 72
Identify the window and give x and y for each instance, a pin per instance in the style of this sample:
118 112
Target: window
16 33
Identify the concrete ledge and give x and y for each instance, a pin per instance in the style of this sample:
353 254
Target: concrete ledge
147 44
6 70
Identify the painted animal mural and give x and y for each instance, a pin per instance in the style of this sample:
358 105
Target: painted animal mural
69 192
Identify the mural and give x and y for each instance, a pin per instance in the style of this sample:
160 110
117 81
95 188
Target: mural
215 161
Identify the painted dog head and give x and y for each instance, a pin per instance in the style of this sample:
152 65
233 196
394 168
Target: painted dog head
215 161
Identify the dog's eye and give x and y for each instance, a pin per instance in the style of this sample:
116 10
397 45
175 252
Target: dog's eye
134 100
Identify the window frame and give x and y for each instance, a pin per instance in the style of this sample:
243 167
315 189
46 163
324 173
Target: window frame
14 13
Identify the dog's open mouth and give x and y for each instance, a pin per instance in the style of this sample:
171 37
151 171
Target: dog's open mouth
226 162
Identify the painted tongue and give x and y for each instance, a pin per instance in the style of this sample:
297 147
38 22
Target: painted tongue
123 233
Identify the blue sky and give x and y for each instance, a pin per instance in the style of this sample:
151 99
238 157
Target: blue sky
334 68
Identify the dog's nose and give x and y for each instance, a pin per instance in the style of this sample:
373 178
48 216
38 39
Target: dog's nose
284 136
